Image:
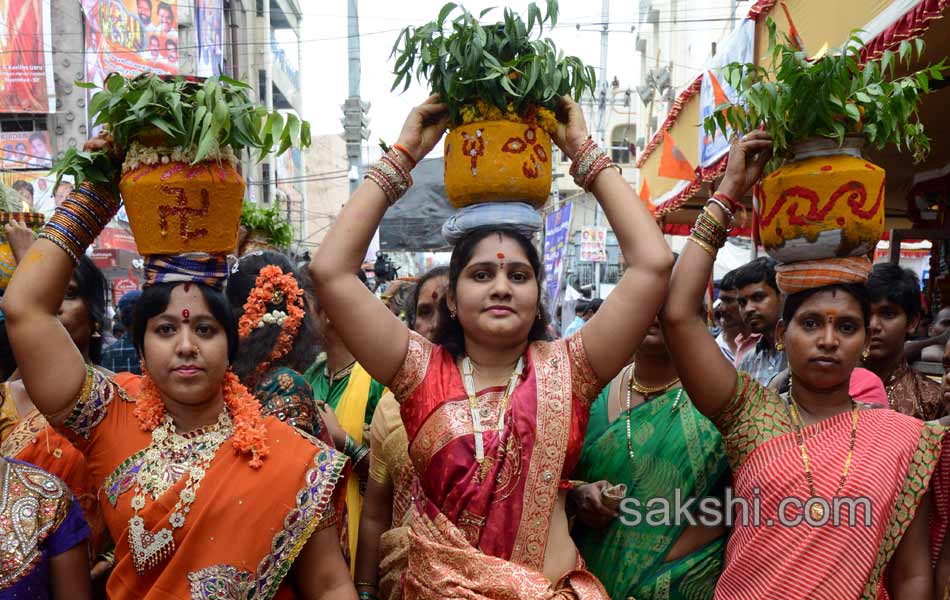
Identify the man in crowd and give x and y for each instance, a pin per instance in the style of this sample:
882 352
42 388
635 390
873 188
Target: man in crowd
760 306
122 357
939 332
730 320
25 190
144 8
583 311
895 311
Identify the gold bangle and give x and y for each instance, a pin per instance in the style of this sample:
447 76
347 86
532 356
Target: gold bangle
365 584
706 247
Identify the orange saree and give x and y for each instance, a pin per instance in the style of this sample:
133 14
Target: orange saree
245 527
480 529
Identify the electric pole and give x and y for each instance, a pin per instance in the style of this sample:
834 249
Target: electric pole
601 115
355 118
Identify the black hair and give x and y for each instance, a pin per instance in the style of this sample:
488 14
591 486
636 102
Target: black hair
440 271
449 333
91 288
155 298
20 185
858 291
581 306
759 270
165 6
728 281
38 135
257 347
594 305
895 284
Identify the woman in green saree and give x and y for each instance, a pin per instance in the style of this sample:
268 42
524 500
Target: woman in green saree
645 434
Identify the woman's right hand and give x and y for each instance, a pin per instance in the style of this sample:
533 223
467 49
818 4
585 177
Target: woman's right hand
591 511
20 237
747 159
424 127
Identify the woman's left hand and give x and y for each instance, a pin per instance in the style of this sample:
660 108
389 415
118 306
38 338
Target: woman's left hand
571 127
333 425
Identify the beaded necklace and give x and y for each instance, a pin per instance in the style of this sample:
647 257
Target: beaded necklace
631 379
468 378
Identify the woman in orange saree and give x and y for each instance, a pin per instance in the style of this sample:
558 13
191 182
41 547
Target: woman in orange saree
495 414
832 496
204 496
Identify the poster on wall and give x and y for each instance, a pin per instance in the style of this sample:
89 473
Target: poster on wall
209 23
594 244
557 227
715 90
130 37
26 57
37 190
25 150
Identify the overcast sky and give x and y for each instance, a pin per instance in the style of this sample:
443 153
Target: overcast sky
324 51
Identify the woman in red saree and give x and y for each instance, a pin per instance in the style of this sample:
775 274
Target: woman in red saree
492 448
798 457
204 497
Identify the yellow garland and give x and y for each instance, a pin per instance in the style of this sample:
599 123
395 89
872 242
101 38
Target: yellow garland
483 111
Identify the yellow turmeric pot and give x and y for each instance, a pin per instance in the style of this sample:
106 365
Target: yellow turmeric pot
176 207
829 204
497 161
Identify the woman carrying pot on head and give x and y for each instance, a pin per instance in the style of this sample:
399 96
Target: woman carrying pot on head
495 415
384 531
794 454
647 442
200 492
30 439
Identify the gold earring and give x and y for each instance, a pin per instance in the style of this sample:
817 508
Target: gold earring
452 313
779 346
865 354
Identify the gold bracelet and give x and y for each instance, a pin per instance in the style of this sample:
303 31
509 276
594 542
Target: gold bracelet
709 249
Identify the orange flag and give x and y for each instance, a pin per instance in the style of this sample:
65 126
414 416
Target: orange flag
719 94
645 196
792 30
673 163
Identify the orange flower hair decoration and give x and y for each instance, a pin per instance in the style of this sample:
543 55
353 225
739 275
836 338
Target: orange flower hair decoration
273 286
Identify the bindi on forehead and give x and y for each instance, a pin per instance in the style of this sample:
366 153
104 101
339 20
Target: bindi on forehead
185 315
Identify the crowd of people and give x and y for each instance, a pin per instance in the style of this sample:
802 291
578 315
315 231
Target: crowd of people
266 429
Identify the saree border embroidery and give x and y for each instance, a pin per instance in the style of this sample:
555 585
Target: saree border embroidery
584 382
919 472
555 385
23 434
115 484
26 520
92 404
452 420
754 416
313 512
414 367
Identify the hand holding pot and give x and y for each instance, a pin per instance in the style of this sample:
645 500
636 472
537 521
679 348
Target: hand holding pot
571 127
20 237
104 143
747 159
424 127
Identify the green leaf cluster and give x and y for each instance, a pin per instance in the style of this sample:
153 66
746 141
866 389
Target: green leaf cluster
278 230
181 111
832 96
500 63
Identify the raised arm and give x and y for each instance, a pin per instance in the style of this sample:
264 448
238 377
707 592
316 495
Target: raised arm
709 378
52 367
359 317
627 313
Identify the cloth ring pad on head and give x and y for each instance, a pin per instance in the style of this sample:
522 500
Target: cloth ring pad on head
194 267
807 274
518 215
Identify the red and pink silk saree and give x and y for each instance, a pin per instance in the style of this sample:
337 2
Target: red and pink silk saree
481 530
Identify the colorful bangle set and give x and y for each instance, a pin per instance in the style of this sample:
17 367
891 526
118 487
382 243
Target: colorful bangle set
81 217
390 174
589 162
708 233
356 452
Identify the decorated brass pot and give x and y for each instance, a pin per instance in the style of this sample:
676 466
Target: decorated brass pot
7 264
497 161
828 202
177 207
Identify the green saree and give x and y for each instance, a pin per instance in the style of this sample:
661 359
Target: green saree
675 447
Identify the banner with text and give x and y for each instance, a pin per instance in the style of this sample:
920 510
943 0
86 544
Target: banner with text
557 227
209 23
130 37
26 57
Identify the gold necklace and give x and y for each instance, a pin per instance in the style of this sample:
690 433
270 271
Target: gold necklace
646 390
196 450
817 509
468 379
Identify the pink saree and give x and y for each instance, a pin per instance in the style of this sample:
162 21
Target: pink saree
775 558
481 530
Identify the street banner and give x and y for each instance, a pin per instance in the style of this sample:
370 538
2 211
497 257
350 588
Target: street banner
130 37
209 24
557 227
26 57
715 90
594 244
36 189
25 150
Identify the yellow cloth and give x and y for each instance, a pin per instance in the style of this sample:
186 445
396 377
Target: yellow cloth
8 412
351 412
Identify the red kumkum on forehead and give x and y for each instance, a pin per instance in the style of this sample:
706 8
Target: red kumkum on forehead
185 315
501 256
